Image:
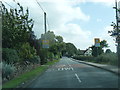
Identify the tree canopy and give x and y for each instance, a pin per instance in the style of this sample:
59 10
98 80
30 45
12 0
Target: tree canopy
99 50
16 26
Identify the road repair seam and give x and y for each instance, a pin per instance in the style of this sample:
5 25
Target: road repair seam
78 78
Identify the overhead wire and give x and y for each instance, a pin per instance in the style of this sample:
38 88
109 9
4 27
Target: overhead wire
40 6
42 10
45 12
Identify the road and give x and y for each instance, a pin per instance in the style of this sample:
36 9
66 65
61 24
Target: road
71 74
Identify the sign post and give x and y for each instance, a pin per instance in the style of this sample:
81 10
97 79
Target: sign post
97 44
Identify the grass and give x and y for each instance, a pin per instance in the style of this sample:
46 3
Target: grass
27 76
51 63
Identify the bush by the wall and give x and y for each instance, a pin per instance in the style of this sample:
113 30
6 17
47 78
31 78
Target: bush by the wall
110 58
83 58
10 55
106 58
7 70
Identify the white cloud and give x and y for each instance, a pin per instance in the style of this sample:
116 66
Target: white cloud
105 2
60 14
73 33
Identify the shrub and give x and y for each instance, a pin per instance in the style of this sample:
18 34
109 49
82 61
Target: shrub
57 57
110 58
83 58
10 55
43 55
26 52
7 70
35 59
50 56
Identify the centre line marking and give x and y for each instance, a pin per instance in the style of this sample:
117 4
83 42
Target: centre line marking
78 78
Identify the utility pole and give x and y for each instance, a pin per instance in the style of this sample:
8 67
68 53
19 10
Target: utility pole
0 33
118 32
45 22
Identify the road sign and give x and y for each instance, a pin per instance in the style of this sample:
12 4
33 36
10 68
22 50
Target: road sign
45 43
97 42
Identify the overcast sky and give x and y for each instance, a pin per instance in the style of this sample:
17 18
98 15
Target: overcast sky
77 21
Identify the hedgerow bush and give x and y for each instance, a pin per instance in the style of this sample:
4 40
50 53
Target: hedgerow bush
10 56
43 55
35 60
50 56
83 58
110 58
26 52
106 58
7 70
56 57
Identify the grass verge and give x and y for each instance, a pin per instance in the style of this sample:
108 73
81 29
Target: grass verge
52 62
27 76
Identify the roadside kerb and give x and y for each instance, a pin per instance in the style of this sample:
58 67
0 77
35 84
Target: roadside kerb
95 65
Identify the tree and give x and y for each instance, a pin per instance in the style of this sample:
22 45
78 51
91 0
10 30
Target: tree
59 39
17 32
108 51
96 51
48 36
16 27
78 52
99 50
56 46
104 44
70 49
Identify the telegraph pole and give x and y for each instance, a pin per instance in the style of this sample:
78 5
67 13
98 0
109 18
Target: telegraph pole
118 32
0 33
45 22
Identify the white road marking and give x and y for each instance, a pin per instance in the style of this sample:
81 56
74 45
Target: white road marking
78 78
71 68
62 68
67 68
69 65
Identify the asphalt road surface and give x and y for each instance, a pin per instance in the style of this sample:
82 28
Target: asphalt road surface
71 74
